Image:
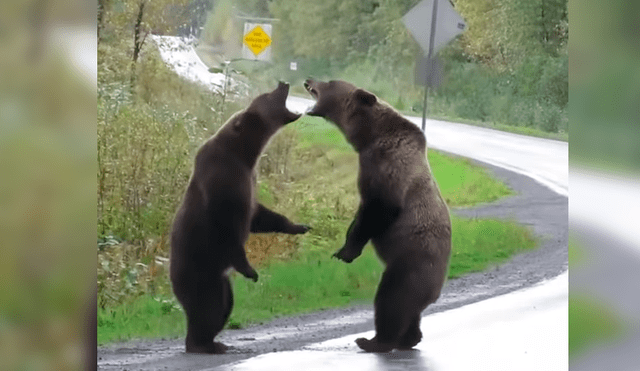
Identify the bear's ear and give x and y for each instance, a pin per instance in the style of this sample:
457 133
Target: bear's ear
365 97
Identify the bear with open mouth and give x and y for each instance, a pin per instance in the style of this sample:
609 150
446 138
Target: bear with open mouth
401 210
218 211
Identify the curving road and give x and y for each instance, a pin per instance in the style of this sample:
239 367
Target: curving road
513 316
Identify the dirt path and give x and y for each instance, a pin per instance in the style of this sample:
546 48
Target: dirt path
534 205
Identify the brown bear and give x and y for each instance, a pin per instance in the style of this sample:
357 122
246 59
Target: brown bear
401 210
218 211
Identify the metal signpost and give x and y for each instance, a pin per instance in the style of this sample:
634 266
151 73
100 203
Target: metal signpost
432 36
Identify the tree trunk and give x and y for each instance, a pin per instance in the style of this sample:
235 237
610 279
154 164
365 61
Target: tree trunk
101 10
138 40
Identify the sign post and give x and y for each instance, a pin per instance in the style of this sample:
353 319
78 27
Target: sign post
434 36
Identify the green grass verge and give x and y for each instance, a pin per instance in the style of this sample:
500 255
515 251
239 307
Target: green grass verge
142 317
313 281
323 194
461 182
590 323
576 255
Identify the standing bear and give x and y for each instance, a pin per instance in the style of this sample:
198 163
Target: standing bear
401 210
218 211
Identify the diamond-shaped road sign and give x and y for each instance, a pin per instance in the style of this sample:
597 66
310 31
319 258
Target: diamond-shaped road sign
256 42
449 24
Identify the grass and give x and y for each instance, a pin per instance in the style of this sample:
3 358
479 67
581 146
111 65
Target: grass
461 182
312 280
478 244
576 255
590 323
315 183
144 317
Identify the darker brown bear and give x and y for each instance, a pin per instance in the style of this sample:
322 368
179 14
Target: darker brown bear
217 213
401 210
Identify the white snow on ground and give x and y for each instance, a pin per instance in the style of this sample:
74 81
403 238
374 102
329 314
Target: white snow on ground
180 54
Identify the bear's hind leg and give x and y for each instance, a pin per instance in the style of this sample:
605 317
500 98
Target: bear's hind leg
412 336
393 312
228 300
205 319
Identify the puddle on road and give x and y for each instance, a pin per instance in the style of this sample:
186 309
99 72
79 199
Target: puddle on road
282 333
133 356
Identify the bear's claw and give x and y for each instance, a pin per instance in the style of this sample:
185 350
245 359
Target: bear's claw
344 255
251 274
210 348
302 228
373 346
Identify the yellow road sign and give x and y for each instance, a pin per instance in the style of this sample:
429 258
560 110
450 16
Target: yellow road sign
257 40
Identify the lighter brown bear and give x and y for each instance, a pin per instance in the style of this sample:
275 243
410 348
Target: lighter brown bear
401 210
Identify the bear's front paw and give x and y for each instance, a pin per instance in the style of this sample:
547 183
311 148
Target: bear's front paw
301 229
345 255
251 274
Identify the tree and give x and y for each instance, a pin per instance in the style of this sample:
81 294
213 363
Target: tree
503 32
197 11
103 6
139 18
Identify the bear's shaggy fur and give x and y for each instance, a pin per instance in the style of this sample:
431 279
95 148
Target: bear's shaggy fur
218 211
401 210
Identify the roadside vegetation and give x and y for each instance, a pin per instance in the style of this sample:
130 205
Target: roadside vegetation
590 322
151 122
508 70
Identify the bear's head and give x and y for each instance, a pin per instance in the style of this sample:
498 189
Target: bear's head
343 104
270 109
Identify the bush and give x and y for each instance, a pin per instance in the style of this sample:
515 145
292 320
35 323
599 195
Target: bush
500 107
549 117
554 82
522 113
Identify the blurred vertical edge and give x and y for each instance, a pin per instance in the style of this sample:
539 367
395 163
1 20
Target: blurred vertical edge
47 187
604 171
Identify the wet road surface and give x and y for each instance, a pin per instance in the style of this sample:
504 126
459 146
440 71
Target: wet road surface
523 330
